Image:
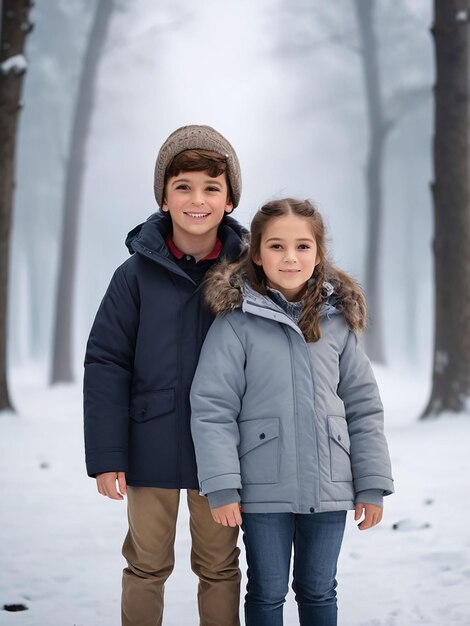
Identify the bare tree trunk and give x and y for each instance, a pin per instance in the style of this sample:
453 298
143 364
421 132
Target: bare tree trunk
15 27
62 361
378 128
451 198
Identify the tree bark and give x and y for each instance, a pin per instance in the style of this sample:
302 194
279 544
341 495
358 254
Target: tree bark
14 29
378 129
451 201
62 358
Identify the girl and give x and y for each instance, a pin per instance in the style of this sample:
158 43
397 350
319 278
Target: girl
287 420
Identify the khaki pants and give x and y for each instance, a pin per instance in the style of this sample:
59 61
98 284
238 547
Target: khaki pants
149 551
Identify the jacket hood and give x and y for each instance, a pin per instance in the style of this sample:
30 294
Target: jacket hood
150 236
226 289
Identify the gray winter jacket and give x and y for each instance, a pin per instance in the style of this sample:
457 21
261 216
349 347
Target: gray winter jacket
297 426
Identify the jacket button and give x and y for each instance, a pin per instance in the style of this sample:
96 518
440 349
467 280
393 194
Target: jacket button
142 412
262 436
339 437
312 510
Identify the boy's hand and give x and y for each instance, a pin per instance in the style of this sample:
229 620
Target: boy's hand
106 484
372 515
228 515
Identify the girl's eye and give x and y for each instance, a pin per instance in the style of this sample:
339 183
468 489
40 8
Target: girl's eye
304 246
276 246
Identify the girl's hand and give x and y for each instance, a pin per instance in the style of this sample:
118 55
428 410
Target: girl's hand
372 515
228 515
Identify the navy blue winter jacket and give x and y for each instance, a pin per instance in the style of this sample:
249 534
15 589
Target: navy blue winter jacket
140 360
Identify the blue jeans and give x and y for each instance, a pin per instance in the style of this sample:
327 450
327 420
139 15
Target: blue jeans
268 539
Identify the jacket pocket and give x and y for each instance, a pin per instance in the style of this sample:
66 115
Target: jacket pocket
340 445
148 406
259 451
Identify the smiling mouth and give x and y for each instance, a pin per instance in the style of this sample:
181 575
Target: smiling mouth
197 215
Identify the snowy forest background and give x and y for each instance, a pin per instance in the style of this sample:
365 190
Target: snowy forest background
285 82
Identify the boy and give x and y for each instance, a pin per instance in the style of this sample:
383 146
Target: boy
141 356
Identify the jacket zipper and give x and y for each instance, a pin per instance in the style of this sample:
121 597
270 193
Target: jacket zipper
295 412
315 421
316 495
179 397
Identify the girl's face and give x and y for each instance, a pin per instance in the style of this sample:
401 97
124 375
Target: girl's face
288 254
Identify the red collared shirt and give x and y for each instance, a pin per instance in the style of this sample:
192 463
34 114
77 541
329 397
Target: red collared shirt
195 270
176 252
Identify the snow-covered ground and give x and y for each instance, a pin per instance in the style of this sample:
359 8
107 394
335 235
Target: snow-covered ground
60 541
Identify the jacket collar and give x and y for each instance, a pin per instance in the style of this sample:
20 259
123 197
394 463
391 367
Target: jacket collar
258 304
149 240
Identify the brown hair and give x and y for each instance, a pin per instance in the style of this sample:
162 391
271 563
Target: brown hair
198 161
345 288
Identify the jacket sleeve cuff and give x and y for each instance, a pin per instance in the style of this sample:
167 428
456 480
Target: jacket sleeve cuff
106 461
222 497
381 483
217 483
371 496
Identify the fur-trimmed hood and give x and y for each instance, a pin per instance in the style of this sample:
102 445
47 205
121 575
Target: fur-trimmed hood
226 288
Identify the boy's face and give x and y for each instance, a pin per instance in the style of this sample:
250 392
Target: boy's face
197 203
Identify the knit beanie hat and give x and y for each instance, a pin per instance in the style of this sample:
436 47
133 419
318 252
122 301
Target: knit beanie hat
197 138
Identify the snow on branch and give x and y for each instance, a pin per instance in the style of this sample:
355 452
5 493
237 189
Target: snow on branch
17 64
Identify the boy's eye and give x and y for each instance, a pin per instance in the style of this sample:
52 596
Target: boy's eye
182 186
213 189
